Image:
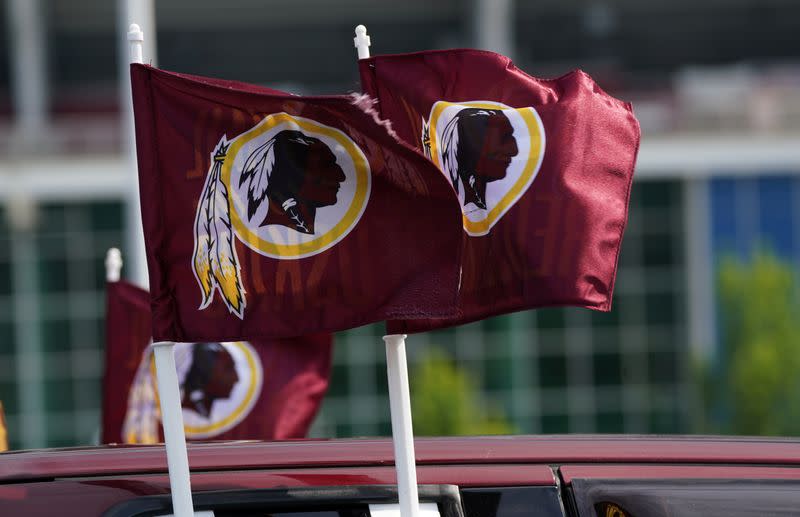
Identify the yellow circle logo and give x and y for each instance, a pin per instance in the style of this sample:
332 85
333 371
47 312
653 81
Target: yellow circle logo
220 384
491 153
296 187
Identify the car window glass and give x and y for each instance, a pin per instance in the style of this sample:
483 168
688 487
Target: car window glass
685 498
538 501
344 512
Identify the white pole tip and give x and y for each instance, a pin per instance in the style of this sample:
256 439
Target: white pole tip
114 255
361 42
135 33
113 264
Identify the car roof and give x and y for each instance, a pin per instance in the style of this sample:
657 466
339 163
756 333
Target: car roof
213 456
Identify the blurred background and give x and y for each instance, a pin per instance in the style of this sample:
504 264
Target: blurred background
704 336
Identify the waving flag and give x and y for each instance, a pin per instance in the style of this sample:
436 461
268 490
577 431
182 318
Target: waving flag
266 389
270 215
542 170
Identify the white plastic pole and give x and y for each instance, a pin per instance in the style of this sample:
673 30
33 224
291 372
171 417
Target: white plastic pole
113 265
137 271
137 46
402 431
361 42
172 420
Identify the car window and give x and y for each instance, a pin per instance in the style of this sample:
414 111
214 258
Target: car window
343 501
254 512
685 498
537 501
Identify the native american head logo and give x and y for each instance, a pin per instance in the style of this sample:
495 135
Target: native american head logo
296 174
219 382
211 376
288 188
490 152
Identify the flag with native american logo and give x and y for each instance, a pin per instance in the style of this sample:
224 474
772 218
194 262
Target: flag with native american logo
257 390
542 170
272 215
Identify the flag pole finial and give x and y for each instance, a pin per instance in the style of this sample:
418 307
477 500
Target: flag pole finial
136 41
113 265
135 32
362 42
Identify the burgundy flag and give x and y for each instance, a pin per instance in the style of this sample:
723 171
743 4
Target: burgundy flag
128 331
267 390
271 215
542 170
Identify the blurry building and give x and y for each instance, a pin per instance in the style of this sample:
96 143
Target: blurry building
716 85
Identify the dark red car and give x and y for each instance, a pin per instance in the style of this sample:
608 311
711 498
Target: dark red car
515 476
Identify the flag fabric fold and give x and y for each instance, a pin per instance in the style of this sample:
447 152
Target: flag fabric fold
268 215
542 170
261 389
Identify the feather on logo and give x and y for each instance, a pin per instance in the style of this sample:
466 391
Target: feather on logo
257 171
215 263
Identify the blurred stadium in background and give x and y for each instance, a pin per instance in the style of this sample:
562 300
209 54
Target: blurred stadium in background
714 83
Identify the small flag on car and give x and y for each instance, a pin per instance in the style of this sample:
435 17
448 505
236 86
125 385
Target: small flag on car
262 389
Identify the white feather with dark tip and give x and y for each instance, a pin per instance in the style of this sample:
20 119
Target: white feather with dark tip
216 264
256 172
202 235
450 151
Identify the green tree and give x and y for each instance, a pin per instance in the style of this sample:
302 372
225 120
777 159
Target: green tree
757 389
446 402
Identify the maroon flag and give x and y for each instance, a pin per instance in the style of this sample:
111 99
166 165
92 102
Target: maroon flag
542 170
271 215
229 391
128 331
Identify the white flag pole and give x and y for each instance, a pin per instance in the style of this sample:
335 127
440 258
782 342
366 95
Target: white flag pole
138 272
399 394
172 420
113 265
140 47
168 387
402 431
